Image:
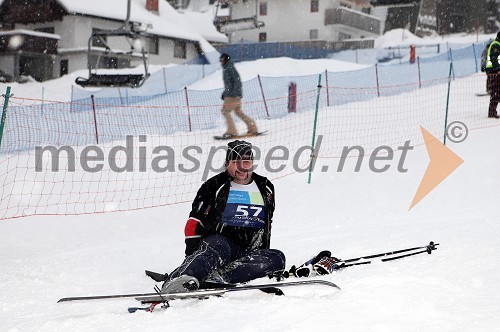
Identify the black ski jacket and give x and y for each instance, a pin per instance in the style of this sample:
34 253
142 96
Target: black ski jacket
208 207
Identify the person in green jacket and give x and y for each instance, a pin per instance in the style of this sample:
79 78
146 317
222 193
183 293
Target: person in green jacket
493 72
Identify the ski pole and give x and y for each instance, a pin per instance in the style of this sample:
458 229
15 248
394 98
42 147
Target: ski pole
413 253
428 248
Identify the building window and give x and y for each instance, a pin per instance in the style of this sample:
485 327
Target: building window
152 45
262 37
180 49
46 30
313 34
314 6
343 36
64 68
99 41
263 8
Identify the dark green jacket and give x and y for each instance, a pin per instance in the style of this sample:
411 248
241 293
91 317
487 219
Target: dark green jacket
232 81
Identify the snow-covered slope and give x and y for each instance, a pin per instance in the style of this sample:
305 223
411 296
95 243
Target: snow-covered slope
350 213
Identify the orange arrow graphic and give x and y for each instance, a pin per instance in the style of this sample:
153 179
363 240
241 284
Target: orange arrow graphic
442 163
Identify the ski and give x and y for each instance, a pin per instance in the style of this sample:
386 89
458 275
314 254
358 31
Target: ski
268 288
103 297
154 300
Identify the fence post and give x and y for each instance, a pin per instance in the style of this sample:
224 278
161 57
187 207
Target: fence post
450 52
376 75
263 97
71 104
475 59
6 97
188 109
120 94
95 119
165 80
419 74
313 156
43 99
327 89
447 103
292 97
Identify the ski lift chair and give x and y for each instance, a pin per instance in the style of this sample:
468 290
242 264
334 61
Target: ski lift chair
116 80
225 25
113 80
240 24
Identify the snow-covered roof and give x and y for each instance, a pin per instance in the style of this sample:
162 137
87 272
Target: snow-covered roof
398 37
168 22
30 32
203 23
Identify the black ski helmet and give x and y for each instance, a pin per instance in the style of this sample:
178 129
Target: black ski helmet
238 150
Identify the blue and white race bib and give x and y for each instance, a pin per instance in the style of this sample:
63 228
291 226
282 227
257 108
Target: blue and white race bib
244 207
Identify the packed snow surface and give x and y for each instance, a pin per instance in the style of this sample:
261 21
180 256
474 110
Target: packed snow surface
45 258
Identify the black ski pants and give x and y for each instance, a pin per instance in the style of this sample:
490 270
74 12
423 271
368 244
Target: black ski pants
234 265
494 91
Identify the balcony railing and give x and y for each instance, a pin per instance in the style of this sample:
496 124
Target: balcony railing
351 18
28 41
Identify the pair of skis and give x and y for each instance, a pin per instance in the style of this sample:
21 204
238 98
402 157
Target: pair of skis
154 299
270 288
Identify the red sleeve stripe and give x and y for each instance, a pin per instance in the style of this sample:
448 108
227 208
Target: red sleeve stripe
190 229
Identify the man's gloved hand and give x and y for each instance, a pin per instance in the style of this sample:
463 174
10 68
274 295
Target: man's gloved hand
327 265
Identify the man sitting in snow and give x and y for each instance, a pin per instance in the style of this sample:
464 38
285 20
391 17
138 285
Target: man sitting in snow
229 228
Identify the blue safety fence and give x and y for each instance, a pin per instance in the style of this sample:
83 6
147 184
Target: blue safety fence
164 105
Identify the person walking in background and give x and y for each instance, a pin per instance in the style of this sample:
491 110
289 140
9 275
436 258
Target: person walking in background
232 99
493 72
